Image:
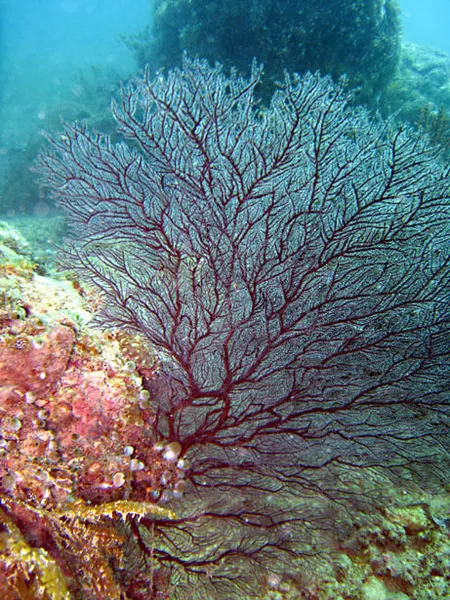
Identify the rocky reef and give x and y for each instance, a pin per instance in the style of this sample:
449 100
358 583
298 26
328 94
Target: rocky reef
81 466
75 434
360 39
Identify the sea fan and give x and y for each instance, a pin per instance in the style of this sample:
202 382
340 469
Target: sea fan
290 264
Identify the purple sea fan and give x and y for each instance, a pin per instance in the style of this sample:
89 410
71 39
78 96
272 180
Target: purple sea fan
290 264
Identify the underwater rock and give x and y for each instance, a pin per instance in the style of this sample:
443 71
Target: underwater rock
358 39
13 246
77 449
34 364
423 79
69 400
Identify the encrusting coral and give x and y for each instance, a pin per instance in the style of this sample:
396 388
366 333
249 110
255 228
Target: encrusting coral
77 453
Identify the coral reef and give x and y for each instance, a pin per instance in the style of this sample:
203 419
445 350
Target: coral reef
77 452
49 534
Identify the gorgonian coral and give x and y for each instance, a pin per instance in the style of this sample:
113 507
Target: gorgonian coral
290 265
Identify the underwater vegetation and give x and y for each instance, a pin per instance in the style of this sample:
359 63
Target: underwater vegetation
437 125
419 92
358 38
290 266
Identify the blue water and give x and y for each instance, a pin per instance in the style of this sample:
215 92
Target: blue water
44 43
427 22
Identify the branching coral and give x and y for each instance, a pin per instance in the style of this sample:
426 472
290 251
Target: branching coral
291 268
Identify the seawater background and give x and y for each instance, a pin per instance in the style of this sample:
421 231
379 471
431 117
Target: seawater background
427 22
45 43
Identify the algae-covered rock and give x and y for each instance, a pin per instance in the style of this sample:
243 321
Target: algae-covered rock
374 589
420 91
359 39
413 519
13 246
